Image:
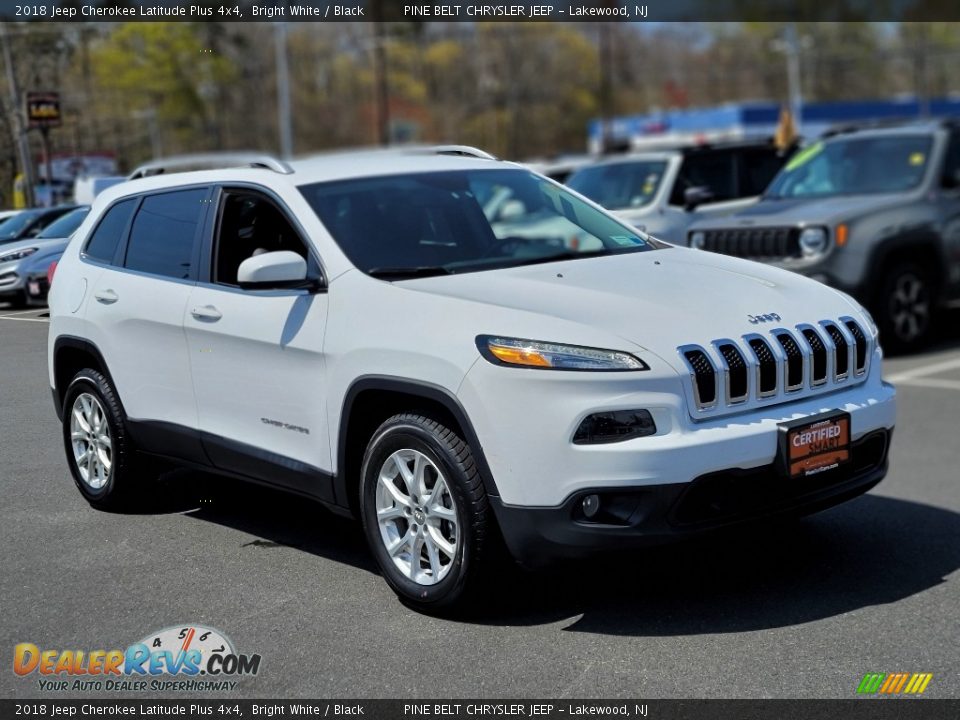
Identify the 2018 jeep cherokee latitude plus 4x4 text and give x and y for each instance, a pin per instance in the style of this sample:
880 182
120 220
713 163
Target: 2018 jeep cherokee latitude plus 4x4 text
355 329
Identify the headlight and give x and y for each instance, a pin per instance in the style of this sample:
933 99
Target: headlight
17 254
552 356
813 241
698 240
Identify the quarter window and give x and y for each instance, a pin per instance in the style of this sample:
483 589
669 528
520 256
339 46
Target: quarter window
105 239
164 231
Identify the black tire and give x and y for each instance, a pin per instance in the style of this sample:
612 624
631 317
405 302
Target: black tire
452 456
125 479
904 308
17 302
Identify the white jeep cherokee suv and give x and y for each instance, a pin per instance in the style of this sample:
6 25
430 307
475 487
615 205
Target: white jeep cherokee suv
355 329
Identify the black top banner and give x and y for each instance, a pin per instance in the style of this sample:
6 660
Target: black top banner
466 12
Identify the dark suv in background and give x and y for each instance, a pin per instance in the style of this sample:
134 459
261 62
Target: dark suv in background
872 211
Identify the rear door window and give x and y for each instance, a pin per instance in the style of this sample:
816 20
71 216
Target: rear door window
164 233
714 170
758 167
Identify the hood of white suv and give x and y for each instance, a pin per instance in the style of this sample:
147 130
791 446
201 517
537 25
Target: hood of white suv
657 300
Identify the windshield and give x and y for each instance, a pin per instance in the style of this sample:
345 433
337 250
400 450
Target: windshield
461 221
885 164
10 229
63 227
620 185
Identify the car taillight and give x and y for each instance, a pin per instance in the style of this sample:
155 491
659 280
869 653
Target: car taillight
50 271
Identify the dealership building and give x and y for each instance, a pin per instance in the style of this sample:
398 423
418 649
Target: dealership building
756 119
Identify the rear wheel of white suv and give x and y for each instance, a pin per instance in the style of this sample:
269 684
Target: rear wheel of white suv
102 459
424 509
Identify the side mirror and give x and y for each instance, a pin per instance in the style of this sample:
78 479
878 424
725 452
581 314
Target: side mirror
697 195
273 270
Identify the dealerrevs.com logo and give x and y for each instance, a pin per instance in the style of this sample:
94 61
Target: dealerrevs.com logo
185 657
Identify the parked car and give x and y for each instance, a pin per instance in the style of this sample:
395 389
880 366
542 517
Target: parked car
37 272
49 243
86 188
663 192
7 214
874 212
562 167
354 329
29 223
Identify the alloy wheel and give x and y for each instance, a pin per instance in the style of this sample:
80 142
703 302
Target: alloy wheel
909 307
90 440
417 517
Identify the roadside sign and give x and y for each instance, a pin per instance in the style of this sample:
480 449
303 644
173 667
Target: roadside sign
43 109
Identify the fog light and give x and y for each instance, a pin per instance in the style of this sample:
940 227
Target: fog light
591 505
615 426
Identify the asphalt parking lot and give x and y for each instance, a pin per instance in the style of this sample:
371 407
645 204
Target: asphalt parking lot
800 610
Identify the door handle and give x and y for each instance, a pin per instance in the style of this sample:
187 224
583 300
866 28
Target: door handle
207 313
107 297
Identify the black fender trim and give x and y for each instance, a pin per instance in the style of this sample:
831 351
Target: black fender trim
76 343
917 240
418 388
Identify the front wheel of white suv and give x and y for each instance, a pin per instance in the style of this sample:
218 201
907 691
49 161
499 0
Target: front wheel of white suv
424 509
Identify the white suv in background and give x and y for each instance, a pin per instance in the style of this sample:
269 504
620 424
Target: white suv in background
355 329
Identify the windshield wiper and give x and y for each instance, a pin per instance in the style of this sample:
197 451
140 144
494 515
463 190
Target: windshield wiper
565 255
401 273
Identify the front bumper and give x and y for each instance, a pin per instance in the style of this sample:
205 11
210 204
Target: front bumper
656 514
11 285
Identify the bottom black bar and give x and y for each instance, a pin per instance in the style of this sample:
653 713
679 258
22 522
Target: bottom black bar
861 708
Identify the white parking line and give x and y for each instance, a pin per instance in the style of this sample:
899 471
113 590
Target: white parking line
931 383
23 319
20 312
924 370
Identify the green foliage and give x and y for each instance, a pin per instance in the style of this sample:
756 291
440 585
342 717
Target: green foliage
168 68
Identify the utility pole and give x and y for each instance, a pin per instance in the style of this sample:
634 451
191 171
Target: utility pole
606 87
381 81
283 92
790 47
23 143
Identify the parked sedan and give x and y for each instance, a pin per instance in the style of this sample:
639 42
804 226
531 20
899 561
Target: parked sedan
28 224
37 273
49 243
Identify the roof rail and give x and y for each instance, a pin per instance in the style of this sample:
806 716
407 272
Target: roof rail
879 124
461 150
210 161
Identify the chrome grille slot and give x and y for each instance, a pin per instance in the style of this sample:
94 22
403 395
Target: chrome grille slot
737 383
793 370
775 365
818 372
704 377
766 367
841 365
861 342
